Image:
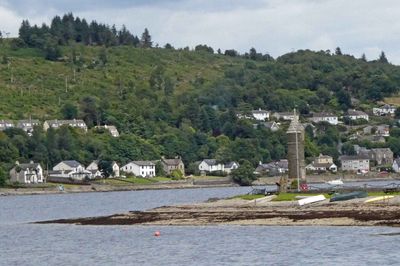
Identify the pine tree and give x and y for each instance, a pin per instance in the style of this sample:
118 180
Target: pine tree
382 58
145 41
338 51
363 58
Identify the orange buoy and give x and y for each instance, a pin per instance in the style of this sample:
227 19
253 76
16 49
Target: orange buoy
157 233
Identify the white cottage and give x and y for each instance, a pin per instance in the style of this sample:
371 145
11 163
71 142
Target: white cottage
140 168
27 173
211 165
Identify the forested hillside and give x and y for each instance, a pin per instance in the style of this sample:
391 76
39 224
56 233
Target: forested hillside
168 101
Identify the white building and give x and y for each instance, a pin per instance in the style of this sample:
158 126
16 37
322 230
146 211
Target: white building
384 110
140 168
71 169
396 165
94 168
77 123
211 165
229 167
355 114
260 115
358 163
27 173
325 117
287 116
112 129
4 124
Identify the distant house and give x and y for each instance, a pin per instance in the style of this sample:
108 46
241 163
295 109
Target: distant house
355 163
380 130
170 165
382 156
77 123
229 167
325 117
322 163
4 124
396 165
273 126
355 114
260 115
71 169
287 116
140 168
115 168
273 168
27 125
112 129
384 110
27 173
211 165
93 167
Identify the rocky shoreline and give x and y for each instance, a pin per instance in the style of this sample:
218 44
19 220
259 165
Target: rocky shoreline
244 212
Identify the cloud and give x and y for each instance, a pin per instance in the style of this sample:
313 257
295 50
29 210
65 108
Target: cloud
273 26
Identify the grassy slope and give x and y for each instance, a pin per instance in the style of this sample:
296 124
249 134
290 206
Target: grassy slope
38 86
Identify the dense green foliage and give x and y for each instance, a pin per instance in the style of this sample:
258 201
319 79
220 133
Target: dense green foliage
170 102
244 175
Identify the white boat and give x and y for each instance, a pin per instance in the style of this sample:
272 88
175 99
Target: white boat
335 182
311 199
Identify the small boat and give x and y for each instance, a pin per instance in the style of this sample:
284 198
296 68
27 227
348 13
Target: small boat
335 182
311 199
378 199
349 196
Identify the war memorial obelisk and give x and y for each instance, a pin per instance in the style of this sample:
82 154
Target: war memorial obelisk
295 135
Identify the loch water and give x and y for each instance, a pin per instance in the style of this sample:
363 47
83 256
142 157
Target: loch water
23 243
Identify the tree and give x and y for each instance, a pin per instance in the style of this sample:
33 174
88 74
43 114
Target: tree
3 177
338 51
159 169
382 58
363 58
105 168
145 41
69 111
231 52
244 175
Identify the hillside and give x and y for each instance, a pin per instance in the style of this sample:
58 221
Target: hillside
176 102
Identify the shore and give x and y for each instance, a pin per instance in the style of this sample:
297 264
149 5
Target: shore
194 183
102 188
249 212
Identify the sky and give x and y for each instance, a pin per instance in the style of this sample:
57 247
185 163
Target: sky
275 27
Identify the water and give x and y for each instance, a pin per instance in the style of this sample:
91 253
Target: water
31 244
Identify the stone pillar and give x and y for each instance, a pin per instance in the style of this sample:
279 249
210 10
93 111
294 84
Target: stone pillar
295 134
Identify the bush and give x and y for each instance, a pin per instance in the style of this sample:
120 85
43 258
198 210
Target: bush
3 177
244 175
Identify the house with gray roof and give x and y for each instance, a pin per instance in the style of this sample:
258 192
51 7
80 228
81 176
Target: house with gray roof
71 169
353 114
170 165
355 163
4 124
230 166
27 125
386 109
77 123
27 173
211 165
140 168
112 129
325 117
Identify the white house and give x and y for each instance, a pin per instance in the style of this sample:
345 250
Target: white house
355 114
357 163
273 126
325 117
211 165
322 163
260 115
287 116
229 167
140 168
78 123
112 129
115 168
71 169
27 173
4 124
384 110
27 125
93 167
396 165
